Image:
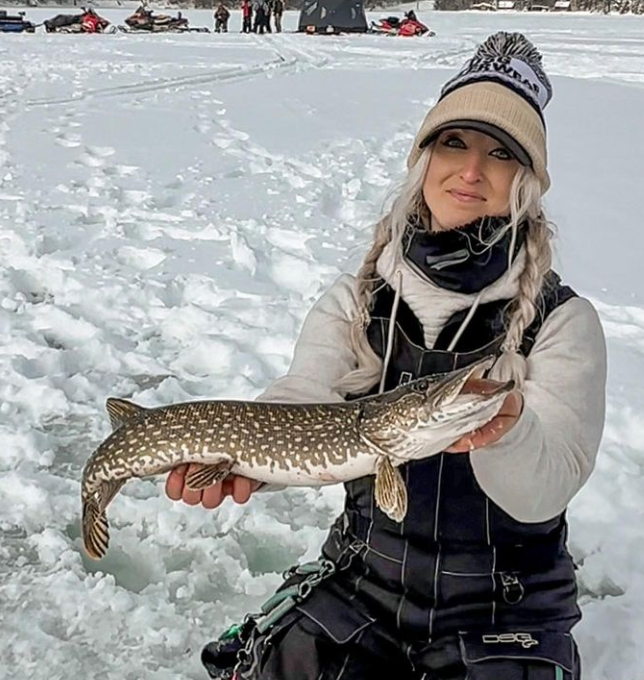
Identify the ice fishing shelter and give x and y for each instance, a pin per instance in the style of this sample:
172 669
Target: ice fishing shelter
333 16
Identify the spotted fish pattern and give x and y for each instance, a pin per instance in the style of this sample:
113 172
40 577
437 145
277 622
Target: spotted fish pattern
290 444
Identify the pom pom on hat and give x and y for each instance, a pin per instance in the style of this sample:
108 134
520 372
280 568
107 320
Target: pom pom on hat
511 60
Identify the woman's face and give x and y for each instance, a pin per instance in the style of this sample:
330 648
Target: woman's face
469 176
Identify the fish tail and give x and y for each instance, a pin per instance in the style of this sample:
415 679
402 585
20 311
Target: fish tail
96 535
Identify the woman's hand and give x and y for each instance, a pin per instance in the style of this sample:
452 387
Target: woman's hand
502 423
240 488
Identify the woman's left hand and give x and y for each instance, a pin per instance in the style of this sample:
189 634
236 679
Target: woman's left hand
492 431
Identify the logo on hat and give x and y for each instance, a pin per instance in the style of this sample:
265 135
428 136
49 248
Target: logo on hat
512 60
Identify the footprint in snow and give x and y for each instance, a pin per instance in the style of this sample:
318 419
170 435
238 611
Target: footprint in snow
89 160
69 141
100 151
120 170
135 197
223 142
232 132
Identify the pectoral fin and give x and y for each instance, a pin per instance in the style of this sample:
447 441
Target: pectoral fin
203 477
391 493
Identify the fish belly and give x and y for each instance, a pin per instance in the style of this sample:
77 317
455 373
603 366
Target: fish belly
303 474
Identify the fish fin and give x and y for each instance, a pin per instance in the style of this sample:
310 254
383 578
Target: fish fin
96 535
208 475
121 410
107 492
381 444
391 492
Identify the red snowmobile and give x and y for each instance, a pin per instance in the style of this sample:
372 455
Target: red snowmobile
87 22
408 26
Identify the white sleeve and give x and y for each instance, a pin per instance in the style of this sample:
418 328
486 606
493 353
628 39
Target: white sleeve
541 463
323 352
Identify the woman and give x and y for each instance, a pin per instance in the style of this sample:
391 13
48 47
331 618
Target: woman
477 581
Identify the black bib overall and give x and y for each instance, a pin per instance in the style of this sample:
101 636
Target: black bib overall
459 589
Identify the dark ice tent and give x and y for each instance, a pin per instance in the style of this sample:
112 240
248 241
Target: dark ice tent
333 16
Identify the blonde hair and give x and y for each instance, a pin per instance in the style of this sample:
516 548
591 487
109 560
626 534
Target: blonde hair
409 206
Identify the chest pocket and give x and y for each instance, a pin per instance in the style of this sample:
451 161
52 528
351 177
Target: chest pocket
535 655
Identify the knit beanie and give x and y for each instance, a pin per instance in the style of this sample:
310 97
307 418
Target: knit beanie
502 91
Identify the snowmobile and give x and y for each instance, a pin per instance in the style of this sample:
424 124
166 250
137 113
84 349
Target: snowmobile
145 21
408 26
87 22
15 23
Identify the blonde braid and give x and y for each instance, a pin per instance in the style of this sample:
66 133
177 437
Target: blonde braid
369 363
367 275
409 204
538 260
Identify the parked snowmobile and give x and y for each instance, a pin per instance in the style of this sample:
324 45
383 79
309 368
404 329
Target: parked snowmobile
15 23
87 22
145 21
408 26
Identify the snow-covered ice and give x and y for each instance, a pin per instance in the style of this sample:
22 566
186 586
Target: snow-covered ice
170 207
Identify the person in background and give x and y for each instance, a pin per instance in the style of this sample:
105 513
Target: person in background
278 10
247 16
267 16
222 15
269 12
259 8
477 581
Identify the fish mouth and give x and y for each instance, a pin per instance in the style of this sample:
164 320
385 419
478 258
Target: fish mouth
451 411
449 390
450 401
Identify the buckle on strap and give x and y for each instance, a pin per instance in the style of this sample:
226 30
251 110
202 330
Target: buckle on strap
263 623
513 590
284 600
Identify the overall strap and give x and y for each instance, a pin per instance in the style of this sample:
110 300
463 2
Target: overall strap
552 294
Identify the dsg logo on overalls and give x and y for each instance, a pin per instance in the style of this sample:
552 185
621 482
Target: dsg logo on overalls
524 639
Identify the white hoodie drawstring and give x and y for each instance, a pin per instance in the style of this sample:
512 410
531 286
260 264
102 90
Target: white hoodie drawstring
390 333
392 327
473 308
466 321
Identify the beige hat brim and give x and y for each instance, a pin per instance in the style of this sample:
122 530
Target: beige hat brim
497 105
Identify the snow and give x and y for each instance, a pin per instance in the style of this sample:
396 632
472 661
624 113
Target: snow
170 207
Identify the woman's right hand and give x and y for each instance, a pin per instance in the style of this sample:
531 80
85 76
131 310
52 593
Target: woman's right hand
240 488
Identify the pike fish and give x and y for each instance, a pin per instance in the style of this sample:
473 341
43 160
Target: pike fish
288 444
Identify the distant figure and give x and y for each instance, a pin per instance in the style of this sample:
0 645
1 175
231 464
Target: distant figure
278 10
247 16
260 16
221 18
267 16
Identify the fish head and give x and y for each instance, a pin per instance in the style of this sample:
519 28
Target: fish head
428 415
